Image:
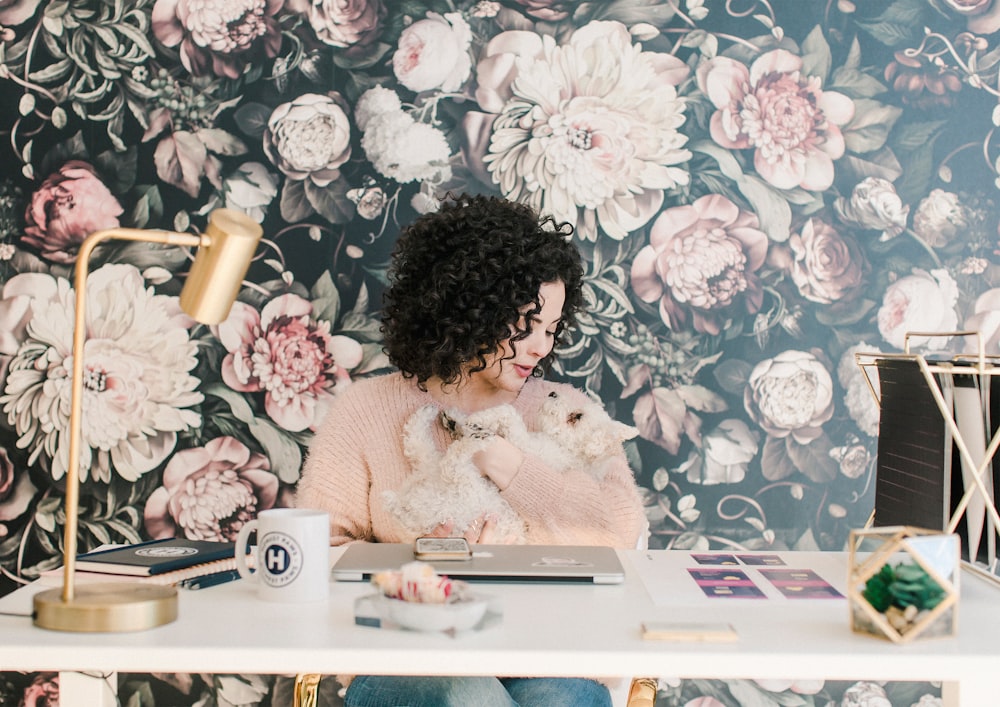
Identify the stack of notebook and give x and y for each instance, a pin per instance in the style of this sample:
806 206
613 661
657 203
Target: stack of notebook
171 561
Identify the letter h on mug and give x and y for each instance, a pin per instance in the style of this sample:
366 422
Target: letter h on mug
292 554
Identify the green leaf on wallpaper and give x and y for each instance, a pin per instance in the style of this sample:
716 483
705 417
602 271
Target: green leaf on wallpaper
728 164
295 206
52 73
871 125
749 694
771 207
45 512
915 136
882 163
845 314
899 24
140 694
148 208
775 464
628 12
325 298
221 142
252 119
137 37
813 459
284 453
816 57
331 201
362 57
732 375
855 84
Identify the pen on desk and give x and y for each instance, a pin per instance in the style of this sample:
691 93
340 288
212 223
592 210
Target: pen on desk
209 580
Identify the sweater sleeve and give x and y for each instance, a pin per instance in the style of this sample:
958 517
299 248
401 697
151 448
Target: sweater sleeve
336 476
574 507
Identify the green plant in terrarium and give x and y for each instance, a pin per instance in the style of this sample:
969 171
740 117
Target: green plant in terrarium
902 586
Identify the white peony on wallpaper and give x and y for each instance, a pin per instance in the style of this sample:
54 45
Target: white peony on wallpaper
760 188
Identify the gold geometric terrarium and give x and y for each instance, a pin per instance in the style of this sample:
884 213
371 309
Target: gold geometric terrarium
903 583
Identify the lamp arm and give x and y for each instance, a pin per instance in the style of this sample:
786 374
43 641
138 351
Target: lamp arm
76 390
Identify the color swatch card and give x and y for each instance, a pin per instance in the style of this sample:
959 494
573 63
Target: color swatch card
800 584
713 558
726 559
727 583
765 560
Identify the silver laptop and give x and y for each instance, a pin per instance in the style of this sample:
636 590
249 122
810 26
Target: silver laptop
491 563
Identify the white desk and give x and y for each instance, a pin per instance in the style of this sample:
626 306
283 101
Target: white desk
546 630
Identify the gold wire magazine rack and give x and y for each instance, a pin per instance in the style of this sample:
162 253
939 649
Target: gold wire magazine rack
916 479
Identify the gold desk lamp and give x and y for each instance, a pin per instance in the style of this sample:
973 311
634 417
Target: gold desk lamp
224 254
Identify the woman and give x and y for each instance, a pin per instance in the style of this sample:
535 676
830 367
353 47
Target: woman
479 294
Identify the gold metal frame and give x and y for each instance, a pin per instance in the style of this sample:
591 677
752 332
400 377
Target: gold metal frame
224 254
978 364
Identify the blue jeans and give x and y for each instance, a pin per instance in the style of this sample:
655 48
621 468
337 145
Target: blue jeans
407 691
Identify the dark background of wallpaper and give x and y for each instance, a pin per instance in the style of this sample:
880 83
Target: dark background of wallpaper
756 429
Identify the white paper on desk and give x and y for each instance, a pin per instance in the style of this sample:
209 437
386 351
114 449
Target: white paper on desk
666 579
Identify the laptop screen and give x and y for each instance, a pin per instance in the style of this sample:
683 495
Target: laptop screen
493 563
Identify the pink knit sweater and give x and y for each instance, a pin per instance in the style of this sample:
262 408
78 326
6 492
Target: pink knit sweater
358 454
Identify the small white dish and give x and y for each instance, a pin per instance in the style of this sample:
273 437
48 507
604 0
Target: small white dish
460 615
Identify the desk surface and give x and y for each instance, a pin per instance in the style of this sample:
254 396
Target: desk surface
546 630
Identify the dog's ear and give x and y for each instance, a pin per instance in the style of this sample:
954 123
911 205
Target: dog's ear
449 423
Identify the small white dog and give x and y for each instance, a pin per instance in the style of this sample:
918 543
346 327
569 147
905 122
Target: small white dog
449 486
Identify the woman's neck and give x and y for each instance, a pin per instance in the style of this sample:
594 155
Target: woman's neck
468 396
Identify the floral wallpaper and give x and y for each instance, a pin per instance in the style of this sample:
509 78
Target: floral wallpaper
760 188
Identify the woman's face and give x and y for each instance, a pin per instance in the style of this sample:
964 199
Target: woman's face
513 363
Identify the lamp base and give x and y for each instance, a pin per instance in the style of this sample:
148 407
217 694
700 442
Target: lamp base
106 608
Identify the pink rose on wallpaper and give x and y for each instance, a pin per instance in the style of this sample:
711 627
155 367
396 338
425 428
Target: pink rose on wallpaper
16 490
790 394
497 66
209 492
701 262
827 266
920 302
67 207
342 23
290 357
218 36
309 138
547 10
981 16
43 691
433 53
985 319
874 204
16 12
799 687
791 124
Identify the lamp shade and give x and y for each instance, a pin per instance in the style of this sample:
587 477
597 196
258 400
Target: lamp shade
229 243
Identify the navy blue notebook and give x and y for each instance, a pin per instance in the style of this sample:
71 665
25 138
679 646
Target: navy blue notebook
155 556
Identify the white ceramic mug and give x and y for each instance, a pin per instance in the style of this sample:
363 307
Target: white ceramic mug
293 554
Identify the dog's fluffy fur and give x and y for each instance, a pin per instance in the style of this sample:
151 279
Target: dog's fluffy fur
449 487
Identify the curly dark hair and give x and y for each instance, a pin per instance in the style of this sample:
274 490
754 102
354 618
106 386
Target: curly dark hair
460 278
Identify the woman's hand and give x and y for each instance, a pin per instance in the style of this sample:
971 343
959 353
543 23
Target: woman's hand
499 462
481 531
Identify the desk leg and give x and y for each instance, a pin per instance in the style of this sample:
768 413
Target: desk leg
970 690
949 694
86 690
